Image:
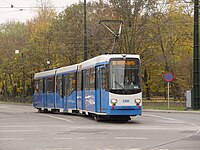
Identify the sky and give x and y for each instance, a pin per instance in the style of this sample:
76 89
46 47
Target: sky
24 10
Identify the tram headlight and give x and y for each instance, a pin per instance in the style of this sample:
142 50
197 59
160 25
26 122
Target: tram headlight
114 101
138 101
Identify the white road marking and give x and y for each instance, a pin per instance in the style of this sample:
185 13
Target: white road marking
4 107
132 149
10 139
81 138
115 148
197 126
78 138
165 118
57 148
63 138
59 118
131 138
21 130
31 126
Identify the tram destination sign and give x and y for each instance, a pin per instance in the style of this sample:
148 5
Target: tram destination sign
168 76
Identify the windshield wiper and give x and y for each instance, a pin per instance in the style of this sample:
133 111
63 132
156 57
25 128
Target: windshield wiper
121 86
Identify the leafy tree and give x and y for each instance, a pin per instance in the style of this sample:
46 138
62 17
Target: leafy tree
67 32
161 33
12 37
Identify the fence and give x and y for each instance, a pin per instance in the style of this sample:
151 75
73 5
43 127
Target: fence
164 104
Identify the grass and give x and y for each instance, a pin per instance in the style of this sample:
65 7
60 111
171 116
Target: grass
165 108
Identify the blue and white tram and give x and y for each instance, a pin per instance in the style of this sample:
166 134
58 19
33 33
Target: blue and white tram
106 86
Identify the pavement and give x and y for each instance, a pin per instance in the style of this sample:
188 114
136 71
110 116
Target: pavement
22 128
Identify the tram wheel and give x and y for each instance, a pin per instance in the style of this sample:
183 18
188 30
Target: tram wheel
97 118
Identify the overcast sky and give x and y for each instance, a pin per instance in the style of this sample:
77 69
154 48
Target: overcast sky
24 9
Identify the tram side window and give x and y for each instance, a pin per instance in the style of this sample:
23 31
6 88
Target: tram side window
39 86
87 79
71 83
41 89
36 86
104 78
92 79
59 85
79 81
50 84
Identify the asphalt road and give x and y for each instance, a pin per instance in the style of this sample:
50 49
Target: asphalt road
22 128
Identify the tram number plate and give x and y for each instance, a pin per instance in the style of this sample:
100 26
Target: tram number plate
126 101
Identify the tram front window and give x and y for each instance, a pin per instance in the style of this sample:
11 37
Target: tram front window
125 76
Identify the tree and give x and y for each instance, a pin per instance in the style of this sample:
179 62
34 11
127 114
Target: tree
39 44
12 37
67 32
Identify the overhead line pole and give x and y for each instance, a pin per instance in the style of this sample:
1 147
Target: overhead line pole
85 33
196 77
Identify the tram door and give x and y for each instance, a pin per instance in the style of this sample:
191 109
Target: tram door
50 98
99 88
44 103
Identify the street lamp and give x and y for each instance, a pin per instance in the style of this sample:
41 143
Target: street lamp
47 66
23 72
48 62
16 51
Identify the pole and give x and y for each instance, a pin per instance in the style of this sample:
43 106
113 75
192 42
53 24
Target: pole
85 33
24 84
168 94
196 86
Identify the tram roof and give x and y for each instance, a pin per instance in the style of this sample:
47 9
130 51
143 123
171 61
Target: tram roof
45 74
66 69
104 59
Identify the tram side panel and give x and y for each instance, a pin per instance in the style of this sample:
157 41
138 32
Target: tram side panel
94 96
71 101
89 90
50 97
101 90
70 91
38 97
59 99
79 91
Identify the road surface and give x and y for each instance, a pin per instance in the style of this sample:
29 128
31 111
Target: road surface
23 128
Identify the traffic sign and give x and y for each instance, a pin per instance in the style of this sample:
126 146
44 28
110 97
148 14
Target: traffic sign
168 76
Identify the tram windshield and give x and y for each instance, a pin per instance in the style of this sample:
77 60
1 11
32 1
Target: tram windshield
125 76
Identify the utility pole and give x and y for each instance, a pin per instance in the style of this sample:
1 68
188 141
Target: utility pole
85 33
196 77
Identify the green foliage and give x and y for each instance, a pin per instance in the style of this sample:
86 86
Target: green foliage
161 34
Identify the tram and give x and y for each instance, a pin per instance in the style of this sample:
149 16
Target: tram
106 86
